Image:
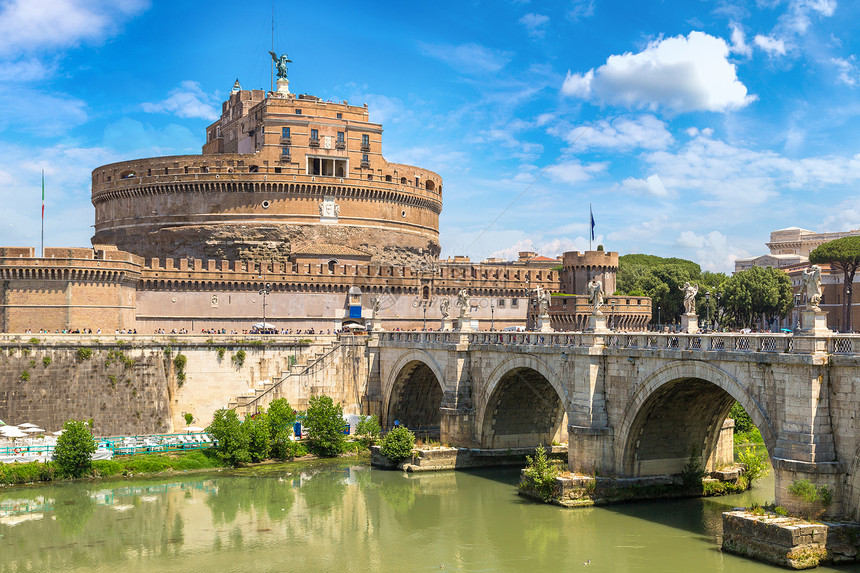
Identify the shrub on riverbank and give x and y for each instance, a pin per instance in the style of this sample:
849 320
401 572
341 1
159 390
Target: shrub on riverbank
232 438
324 423
74 449
539 475
398 443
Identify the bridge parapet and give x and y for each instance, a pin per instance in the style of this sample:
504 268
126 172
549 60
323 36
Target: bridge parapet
844 344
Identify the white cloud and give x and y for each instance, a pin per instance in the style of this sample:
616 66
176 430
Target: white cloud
773 46
187 101
468 58
580 9
680 74
547 248
847 70
739 42
35 25
645 232
713 251
844 216
574 172
646 132
40 113
651 185
535 24
798 18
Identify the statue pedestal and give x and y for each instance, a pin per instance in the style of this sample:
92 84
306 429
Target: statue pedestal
447 324
813 322
543 323
283 86
375 324
597 324
464 323
689 323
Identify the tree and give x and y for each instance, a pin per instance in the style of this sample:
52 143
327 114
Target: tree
257 429
282 417
368 430
232 437
74 450
843 254
397 444
756 293
324 422
659 278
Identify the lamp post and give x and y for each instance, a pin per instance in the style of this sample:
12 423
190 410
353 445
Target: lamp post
424 325
492 315
267 288
659 319
708 304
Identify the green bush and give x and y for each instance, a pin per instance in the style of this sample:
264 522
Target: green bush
368 430
810 493
282 417
84 354
26 473
25 376
74 449
257 429
693 472
46 361
288 450
189 417
238 358
34 340
756 464
107 468
539 475
232 438
398 443
220 351
324 423
179 361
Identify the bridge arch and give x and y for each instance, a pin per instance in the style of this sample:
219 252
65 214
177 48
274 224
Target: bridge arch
525 405
413 392
680 404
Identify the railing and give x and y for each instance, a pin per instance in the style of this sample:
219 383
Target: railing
122 445
314 142
717 342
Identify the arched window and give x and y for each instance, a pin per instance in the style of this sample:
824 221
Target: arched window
331 265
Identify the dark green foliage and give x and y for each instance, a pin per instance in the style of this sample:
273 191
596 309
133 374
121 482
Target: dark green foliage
179 361
287 450
232 437
756 292
34 341
84 354
238 358
257 428
220 351
842 254
398 443
539 474
693 472
25 376
46 361
659 278
189 417
743 422
74 449
368 430
324 423
810 493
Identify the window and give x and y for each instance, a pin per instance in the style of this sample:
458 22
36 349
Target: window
315 134
277 169
514 303
339 115
501 303
285 132
365 140
365 158
388 178
340 137
285 151
416 182
298 111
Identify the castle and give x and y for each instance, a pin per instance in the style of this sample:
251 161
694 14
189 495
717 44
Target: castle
290 215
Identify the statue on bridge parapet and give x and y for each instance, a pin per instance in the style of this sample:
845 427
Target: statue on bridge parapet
690 292
463 302
810 282
595 296
542 297
444 306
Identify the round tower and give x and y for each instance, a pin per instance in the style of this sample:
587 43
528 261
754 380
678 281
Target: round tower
579 268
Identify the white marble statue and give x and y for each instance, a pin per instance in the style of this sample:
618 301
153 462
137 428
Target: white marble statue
463 302
690 292
811 282
444 306
595 295
543 301
375 305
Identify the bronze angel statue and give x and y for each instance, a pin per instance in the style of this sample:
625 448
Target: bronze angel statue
281 64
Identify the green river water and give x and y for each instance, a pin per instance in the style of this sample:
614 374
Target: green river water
340 516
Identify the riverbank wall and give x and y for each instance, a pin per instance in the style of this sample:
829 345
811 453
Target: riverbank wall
134 384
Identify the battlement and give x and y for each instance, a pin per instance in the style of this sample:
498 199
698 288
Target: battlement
573 259
78 257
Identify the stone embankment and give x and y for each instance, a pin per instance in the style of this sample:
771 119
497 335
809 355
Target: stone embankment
136 384
442 458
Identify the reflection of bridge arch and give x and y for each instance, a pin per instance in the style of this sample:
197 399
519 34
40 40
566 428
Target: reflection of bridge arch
413 393
526 405
679 405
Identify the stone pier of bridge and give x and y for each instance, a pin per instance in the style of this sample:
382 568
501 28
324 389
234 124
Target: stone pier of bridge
634 405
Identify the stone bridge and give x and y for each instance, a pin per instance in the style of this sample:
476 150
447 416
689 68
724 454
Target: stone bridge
633 405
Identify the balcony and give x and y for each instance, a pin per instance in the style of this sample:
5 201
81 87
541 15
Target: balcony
365 163
284 159
365 147
286 141
340 145
314 142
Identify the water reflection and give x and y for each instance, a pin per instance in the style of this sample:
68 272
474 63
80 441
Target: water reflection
343 517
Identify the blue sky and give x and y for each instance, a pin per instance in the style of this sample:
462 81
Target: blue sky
693 128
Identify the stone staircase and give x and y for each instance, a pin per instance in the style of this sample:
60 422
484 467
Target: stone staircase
266 391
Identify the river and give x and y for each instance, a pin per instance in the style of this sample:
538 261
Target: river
339 516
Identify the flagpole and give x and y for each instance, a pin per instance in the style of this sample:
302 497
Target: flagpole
43 213
590 226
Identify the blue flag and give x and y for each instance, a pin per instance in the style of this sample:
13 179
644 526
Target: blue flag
592 222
